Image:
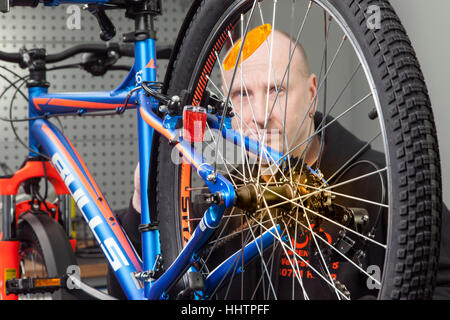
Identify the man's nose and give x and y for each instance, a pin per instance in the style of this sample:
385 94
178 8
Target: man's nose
256 113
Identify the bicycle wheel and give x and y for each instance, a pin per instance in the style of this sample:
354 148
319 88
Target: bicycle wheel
364 220
44 252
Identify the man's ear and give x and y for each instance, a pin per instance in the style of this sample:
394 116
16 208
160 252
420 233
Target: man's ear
311 85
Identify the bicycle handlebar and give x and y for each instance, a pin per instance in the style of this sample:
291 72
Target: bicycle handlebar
126 50
23 3
5 4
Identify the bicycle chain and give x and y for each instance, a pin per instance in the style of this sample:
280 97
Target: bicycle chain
341 288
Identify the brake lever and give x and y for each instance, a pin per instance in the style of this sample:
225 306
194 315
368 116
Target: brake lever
108 30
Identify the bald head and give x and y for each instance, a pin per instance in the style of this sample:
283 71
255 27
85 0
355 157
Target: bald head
300 54
283 45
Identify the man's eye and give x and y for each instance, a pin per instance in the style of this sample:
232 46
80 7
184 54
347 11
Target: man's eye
238 94
280 90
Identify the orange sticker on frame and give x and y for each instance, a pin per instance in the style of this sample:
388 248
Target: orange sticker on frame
151 64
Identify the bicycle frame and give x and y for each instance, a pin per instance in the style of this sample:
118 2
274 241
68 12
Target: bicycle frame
48 139
97 213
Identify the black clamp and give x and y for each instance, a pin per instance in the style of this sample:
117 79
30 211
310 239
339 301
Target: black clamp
152 226
98 64
34 60
215 105
138 35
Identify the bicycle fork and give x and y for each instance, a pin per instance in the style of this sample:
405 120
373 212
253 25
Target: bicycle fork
11 210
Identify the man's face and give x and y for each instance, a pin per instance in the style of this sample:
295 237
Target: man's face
258 96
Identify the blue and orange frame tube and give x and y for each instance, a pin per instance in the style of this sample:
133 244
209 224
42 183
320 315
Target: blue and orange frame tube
115 245
145 67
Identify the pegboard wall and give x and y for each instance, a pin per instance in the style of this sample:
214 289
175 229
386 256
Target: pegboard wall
108 145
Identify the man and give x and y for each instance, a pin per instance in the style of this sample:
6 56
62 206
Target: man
252 104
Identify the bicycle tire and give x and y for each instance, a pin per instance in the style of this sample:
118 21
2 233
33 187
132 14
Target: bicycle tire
47 239
414 174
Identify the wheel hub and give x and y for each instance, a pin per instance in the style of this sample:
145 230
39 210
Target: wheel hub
293 200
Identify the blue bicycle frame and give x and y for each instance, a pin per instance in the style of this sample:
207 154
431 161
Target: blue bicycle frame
46 138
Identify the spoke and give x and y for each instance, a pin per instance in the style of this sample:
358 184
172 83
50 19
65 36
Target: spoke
243 153
298 276
287 70
328 124
325 114
271 65
277 90
295 258
230 235
218 91
328 219
235 268
269 74
224 277
345 195
322 136
313 101
299 33
262 258
304 197
321 256
329 112
315 241
261 278
343 255
244 159
357 178
295 265
284 137
300 257
226 163
344 227
320 86
357 153
258 134
232 78
215 243
226 216
223 97
340 94
303 158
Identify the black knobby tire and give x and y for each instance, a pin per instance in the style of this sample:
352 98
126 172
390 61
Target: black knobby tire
414 173
47 238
